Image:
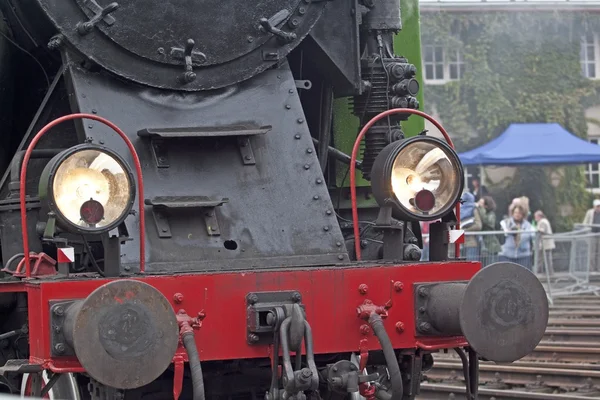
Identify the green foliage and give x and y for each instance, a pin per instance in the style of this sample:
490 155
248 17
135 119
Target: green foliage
520 67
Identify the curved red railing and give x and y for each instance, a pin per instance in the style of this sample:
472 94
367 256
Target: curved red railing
23 180
355 149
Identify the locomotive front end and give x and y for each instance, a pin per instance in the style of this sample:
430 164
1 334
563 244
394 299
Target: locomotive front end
185 229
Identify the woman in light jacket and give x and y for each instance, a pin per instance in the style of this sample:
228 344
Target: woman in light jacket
518 233
545 245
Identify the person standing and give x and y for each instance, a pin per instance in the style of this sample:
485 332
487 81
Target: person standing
490 245
545 245
518 232
478 190
470 221
592 217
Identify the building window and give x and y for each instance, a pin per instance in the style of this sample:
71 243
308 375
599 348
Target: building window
589 56
593 171
441 64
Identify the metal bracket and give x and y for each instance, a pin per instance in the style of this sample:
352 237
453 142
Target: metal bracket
59 346
160 153
161 204
270 55
303 84
20 367
162 223
246 150
259 324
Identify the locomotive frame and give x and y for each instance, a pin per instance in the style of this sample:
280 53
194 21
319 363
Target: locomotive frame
232 251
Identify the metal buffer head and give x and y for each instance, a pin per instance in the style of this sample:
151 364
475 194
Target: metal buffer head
502 311
124 333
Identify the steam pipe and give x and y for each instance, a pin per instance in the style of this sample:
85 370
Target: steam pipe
195 367
339 155
390 356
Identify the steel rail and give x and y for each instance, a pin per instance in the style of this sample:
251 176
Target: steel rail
519 375
435 391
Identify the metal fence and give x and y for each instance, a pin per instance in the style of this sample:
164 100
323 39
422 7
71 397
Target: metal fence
563 262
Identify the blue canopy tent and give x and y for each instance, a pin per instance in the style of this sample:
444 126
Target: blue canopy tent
533 144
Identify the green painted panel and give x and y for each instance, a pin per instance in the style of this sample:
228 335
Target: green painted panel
408 44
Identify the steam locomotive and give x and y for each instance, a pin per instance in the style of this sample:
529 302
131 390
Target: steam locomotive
170 208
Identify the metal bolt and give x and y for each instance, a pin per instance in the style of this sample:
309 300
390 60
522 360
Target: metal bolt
338 244
57 329
301 10
287 107
326 228
422 292
422 310
398 286
425 327
328 212
164 229
306 373
319 181
399 327
248 158
178 298
365 329
309 151
293 22
291 91
59 348
363 289
127 268
94 111
315 197
253 299
334 369
300 120
253 338
90 126
297 136
340 257
296 297
59 310
250 39
101 141
306 166
160 50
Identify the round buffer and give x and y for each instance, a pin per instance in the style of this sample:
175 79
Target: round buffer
504 312
125 334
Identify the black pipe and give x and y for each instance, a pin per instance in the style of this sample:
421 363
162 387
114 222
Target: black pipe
195 367
339 155
390 356
325 131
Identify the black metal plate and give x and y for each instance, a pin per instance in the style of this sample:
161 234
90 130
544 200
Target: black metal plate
220 28
145 43
504 312
125 334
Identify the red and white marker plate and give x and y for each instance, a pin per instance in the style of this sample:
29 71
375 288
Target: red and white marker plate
66 255
457 236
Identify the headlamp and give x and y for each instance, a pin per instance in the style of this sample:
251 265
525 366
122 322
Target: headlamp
420 177
90 188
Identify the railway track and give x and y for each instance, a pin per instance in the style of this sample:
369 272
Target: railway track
565 365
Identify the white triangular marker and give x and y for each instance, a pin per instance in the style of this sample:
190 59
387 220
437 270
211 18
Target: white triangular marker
457 236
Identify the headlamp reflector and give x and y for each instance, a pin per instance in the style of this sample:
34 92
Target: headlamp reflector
421 176
89 187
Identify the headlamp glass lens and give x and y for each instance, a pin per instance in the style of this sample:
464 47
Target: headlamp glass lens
91 189
424 178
